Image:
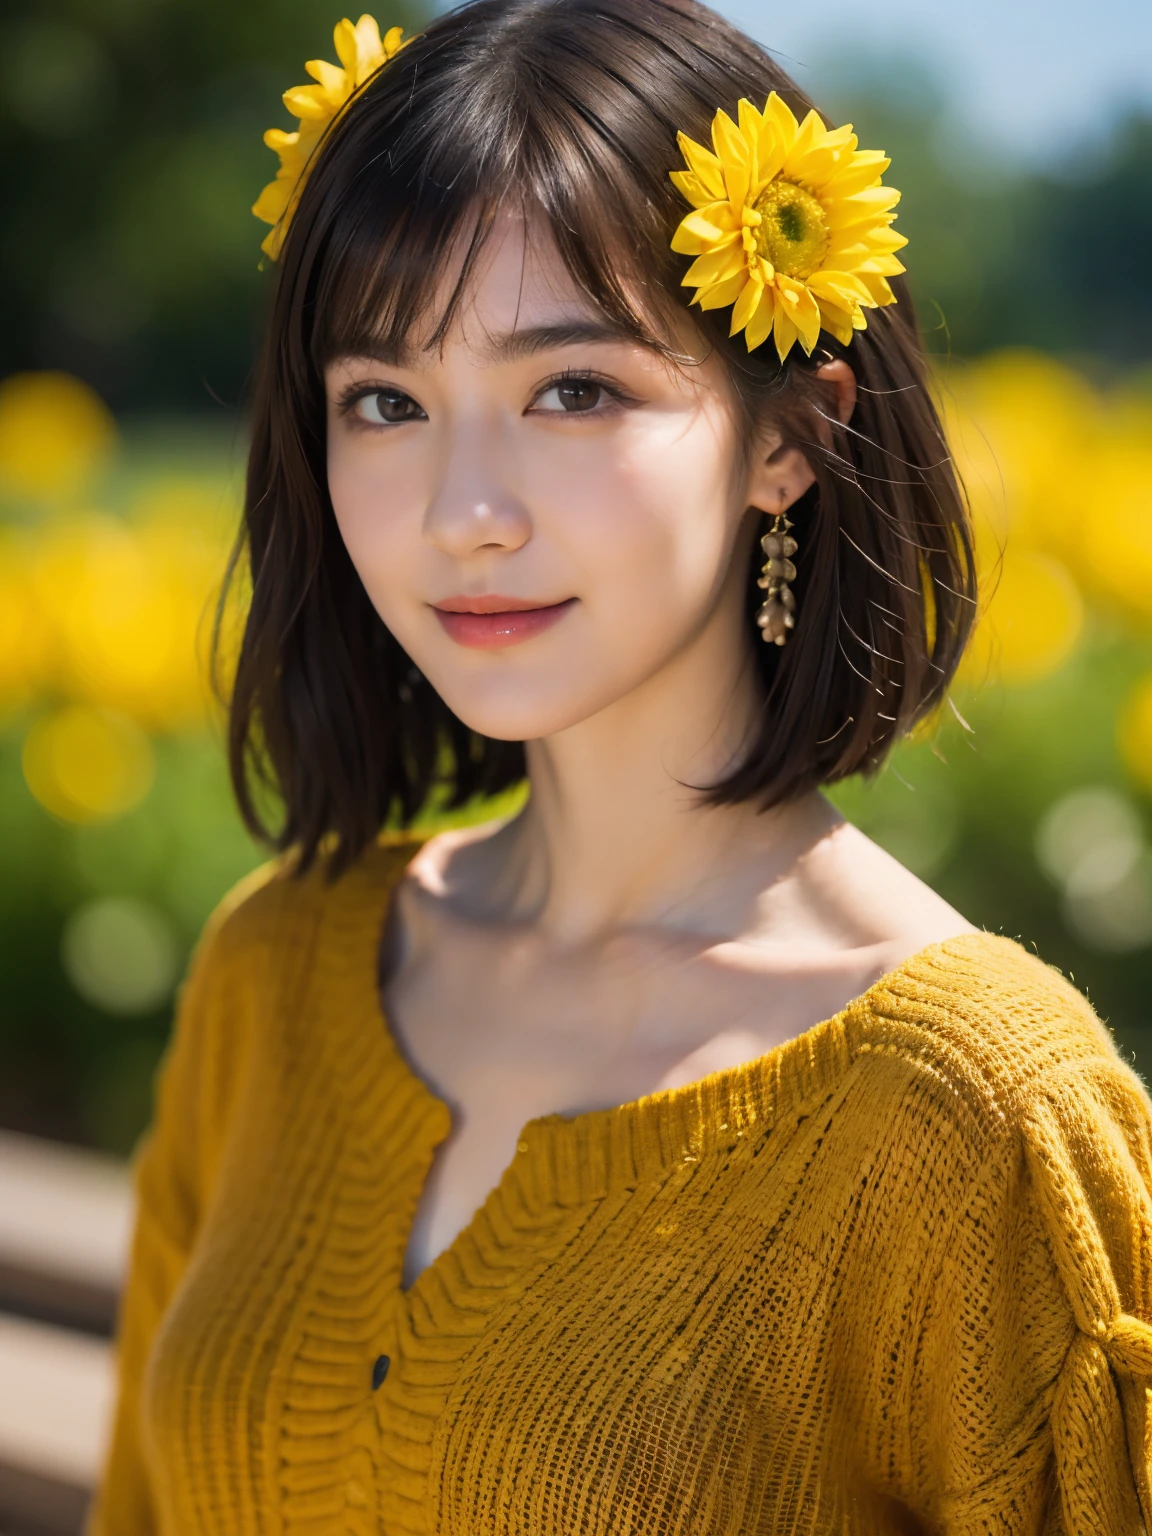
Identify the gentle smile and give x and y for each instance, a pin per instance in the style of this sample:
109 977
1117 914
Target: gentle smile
491 622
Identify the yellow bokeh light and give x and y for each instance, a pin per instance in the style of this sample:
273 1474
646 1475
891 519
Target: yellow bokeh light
112 622
84 764
1117 525
128 605
24 633
55 434
1020 425
1033 618
1134 733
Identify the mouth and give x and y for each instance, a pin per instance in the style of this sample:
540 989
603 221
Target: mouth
491 622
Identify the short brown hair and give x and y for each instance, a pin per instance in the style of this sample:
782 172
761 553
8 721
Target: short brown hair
570 108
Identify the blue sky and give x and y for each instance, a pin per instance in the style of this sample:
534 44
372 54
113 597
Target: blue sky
1030 78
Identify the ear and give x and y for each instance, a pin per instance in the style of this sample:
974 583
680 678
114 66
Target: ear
778 475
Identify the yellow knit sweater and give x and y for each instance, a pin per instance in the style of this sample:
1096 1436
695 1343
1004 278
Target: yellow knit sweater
894 1276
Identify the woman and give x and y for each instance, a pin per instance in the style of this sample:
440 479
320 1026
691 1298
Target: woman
663 1157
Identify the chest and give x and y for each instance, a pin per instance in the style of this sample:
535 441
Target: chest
505 1036
615 1342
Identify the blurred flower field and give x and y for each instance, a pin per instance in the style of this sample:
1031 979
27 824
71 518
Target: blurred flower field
1026 803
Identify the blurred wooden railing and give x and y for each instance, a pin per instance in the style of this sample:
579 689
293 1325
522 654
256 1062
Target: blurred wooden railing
65 1219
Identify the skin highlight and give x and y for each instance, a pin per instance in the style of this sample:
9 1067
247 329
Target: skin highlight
616 937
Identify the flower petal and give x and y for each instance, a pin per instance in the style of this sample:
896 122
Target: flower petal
689 185
872 206
344 38
770 152
880 266
801 308
726 292
750 125
785 332
878 287
370 51
818 167
735 157
864 170
703 163
759 328
283 143
850 250
273 201
334 82
836 322
809 135
702 230
747 304
843 288
884 241
308 102
716 266
782 118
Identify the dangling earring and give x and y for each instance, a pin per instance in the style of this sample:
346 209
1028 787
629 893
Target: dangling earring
778 614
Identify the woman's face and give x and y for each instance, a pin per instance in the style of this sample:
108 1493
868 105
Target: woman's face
544 515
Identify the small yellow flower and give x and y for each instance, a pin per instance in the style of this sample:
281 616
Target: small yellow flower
361 51
790 225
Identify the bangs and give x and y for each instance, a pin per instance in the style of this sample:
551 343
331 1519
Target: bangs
403 241
412 177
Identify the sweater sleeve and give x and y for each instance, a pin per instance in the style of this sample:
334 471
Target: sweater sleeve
1088 1146
1030 1405
172 1172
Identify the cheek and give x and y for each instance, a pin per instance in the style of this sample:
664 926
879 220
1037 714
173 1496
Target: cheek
651 524
377 503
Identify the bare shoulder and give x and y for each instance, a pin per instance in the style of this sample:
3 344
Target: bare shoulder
1007 1018
874 900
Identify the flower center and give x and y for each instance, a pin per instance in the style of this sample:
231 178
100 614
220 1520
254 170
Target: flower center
793 232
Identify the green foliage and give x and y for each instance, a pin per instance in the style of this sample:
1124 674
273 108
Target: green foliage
71 1067
1000 257
132 131
966 812
1074 277
133 154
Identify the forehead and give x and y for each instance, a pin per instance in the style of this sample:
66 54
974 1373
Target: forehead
519 276
503 292
516 295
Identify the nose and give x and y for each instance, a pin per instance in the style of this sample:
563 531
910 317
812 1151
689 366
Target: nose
473 508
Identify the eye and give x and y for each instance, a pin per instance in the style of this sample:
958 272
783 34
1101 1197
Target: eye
576 395
387 408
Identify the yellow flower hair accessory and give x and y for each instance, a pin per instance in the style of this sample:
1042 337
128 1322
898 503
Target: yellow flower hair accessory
361 51
790 225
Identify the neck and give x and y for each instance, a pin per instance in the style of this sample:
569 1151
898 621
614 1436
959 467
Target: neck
616 833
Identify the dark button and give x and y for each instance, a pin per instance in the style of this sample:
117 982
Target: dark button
380 1370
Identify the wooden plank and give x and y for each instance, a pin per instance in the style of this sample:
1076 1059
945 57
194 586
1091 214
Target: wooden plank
56 1395
31 1505
65 1226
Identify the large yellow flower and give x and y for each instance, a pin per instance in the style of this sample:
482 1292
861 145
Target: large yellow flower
790 225
361 51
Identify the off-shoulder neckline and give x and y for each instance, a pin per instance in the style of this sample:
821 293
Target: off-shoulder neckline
583 1154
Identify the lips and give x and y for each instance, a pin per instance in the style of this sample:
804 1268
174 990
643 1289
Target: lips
492 622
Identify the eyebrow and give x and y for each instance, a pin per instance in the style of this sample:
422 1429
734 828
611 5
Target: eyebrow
510 346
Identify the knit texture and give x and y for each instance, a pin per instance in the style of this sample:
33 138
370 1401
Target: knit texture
895 1276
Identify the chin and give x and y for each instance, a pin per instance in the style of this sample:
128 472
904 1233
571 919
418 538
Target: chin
519 708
